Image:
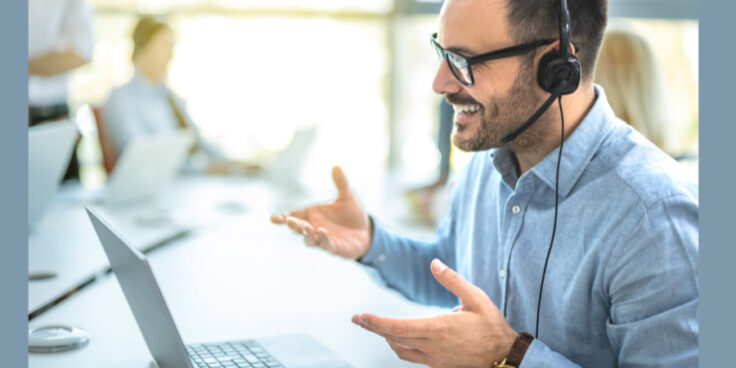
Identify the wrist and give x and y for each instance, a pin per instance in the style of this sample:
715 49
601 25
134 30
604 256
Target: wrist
371 231
516 352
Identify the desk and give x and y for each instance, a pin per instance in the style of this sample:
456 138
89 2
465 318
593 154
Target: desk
65 243
244 278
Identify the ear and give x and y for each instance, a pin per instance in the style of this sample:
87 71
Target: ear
554 46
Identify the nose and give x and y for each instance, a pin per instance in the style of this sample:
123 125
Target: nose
444 81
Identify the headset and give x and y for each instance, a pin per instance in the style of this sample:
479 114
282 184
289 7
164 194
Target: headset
558 74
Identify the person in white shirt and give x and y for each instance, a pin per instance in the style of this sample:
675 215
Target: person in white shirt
59 41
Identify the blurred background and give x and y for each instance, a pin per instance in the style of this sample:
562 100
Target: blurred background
360 72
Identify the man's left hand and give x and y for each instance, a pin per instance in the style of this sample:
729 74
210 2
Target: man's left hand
475 334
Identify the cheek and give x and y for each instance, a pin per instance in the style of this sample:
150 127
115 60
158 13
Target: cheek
496 79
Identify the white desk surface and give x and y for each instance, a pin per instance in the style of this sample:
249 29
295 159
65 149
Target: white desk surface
244 278
64 242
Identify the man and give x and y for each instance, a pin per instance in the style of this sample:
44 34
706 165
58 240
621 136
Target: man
621 285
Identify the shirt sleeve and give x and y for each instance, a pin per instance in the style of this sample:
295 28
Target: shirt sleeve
120 119
76 32
652 285
653 288
540 355
404 264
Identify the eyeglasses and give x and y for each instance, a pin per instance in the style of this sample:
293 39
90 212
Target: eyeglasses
461 65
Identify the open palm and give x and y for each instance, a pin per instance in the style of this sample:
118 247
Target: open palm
340 227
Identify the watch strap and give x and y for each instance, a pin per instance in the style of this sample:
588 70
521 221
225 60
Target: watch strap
519 348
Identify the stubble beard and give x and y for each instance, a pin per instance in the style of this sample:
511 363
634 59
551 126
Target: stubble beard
505 114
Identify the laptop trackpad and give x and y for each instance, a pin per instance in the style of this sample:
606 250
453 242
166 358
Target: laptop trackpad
301 351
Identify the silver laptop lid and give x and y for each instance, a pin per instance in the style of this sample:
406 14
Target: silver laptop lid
143 295
50 147
147 165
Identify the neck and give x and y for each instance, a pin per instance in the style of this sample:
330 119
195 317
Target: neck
147 72
575 107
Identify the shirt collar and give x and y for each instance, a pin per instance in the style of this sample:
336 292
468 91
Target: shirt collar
578 150
141 80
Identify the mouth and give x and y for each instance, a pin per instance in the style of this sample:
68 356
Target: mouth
464 113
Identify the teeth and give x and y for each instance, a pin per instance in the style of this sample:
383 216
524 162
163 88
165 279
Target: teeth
466 108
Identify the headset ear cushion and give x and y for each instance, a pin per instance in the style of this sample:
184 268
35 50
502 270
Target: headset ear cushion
553 70
543 72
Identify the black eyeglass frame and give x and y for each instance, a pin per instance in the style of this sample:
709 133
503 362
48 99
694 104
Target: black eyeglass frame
492 55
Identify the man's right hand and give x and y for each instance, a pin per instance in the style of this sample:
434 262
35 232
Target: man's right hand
340 227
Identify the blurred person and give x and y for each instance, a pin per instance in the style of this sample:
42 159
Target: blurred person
59 41
146 105
425 200
621 285
628 72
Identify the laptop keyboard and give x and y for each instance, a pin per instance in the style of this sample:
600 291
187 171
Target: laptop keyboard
241 354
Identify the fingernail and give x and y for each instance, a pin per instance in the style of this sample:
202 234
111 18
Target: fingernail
438 266
304 232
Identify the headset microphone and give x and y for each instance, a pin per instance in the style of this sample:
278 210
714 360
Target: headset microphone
516 132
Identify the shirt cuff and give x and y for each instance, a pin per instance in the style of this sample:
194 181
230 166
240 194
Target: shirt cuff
377 252
540 355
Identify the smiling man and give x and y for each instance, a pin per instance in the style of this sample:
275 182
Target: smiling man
615 286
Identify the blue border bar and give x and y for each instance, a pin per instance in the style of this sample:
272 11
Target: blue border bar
14 183
717 198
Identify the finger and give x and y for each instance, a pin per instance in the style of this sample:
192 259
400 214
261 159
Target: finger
398 328
281 217
278 219
343 190
323 240
467 292
296 224
407 353
311 237
311 241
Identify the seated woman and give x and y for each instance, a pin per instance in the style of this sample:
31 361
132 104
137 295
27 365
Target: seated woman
145 105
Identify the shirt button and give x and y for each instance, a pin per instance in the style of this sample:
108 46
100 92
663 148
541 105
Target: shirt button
501 273
381 257
516 209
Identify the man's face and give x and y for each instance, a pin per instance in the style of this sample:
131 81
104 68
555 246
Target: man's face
159 51
504 94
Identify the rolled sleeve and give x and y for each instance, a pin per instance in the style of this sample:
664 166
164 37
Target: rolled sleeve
404 265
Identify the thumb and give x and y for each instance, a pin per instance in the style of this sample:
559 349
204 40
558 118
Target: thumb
447 277
343 190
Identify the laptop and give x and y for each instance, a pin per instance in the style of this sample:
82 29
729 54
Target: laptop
162 337
146 166
50 147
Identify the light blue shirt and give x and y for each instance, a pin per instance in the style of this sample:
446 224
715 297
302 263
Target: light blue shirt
621 288
139 108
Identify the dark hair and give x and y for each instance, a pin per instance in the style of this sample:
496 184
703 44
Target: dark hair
147 26
535 19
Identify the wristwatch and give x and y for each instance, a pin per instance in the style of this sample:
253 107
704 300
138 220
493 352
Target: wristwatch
518 349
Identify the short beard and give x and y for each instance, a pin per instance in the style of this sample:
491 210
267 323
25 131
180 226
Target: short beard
506 114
